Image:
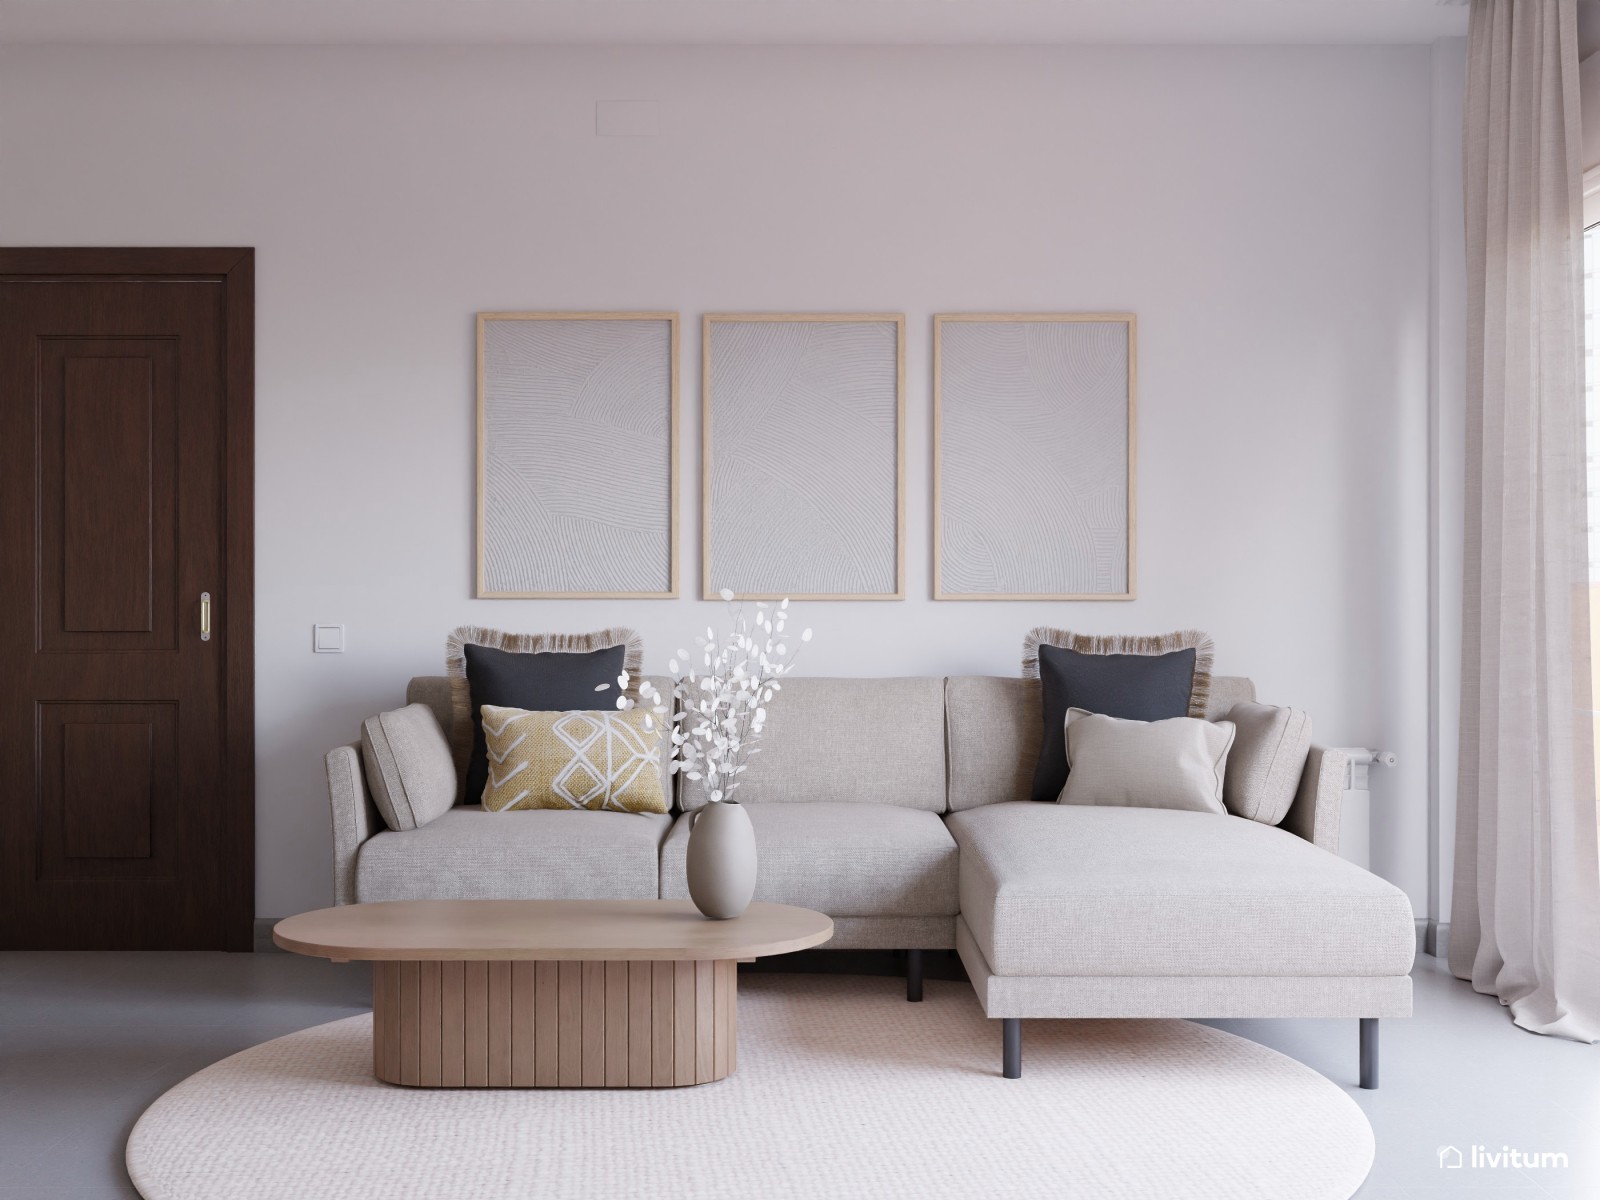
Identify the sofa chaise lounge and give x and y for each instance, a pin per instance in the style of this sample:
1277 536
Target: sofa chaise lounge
900 808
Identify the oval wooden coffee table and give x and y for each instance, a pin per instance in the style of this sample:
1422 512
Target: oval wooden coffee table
551 993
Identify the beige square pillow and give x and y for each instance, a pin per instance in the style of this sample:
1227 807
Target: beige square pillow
410 770
603 760
1177 763
1268 758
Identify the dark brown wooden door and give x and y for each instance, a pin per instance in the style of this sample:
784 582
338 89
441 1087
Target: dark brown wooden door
126 815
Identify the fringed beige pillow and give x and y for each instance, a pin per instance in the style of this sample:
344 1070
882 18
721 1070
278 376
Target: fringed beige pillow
549 672
1133 678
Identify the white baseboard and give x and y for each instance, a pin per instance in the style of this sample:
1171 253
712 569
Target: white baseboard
1435 938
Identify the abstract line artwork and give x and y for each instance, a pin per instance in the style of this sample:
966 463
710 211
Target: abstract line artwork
577 485
1033 456
803 454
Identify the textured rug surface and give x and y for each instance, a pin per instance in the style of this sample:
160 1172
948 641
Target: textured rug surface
843 1089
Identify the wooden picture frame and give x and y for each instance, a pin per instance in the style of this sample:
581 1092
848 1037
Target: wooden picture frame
1048 522
620 481
713 575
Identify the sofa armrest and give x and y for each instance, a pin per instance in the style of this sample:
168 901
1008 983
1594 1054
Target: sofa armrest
355 818
1314 815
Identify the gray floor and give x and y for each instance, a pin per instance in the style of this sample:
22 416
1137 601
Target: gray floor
88 1040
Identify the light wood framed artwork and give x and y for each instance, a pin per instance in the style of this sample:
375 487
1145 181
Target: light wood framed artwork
802 468
577 455
1034 455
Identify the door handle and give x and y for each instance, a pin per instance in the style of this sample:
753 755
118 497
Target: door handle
205 616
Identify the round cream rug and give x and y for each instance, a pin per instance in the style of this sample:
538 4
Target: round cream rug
842 1089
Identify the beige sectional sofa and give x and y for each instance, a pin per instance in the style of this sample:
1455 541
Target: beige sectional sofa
900 808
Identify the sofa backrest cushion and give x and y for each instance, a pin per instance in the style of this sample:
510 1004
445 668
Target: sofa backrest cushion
994 726
410 771
434 691
869 741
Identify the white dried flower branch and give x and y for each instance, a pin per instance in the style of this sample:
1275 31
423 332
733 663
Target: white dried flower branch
723 695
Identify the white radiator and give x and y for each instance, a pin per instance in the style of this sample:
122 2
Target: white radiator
1355 815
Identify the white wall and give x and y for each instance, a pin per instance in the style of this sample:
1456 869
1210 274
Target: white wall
1266 211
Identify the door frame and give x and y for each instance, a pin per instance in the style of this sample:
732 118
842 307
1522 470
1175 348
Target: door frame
235 269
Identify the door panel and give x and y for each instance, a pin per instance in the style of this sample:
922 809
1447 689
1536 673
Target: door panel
107 773
108 430
107 492
123 822
108 777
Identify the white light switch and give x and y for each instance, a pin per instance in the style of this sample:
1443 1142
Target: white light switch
327 639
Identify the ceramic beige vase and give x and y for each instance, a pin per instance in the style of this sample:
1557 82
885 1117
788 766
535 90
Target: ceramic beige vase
722 860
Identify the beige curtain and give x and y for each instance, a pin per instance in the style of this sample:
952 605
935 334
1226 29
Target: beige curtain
1525 923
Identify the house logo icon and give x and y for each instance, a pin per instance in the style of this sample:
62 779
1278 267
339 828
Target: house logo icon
1449 1157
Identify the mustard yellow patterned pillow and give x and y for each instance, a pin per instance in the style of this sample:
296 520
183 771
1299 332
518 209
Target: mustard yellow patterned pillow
595 760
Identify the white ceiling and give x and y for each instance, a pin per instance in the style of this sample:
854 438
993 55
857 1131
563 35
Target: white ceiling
777 22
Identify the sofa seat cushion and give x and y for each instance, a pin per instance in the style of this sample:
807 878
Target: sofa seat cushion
845 859
470 854
1051 889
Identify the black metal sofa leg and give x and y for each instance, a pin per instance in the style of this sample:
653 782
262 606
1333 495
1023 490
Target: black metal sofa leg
1011 1041
1369 1052
913 975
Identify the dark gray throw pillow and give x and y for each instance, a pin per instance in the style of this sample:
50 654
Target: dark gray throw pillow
548 681
544 682
1133 687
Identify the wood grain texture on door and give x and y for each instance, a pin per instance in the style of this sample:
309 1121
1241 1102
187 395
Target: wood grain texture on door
107 493
102 770
126 739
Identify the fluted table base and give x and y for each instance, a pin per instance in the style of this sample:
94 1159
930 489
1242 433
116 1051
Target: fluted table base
510 1023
